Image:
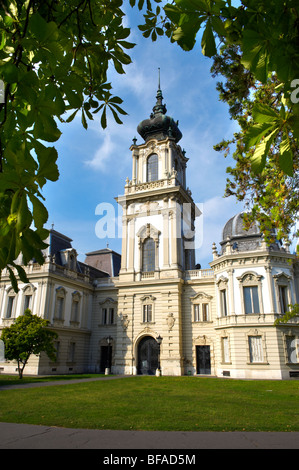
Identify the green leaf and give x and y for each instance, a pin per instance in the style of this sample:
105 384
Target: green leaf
40 213
258 159
47 157
286 156
24 217
208 41
185 34
9 73
72 116
83 119
262 113
255 134
104 119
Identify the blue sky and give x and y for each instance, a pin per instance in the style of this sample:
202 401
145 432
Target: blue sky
94 164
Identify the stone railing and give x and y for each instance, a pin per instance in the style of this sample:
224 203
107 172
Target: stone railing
198 273
252 320
148 275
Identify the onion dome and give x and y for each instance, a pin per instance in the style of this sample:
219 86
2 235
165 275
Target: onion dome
159 125
240 239
235 228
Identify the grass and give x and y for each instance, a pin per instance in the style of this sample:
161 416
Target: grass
159 403
14 379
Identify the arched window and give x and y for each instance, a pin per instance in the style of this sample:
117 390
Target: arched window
148 255
152 168
11 304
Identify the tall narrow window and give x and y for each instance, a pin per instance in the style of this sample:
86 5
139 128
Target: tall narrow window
59 312
71 352
111 316
10 304
283 298
60 304
205 312
251 299
152 168
223 302
147 313
225 349
256 349
75 311
104 316
27 302
196 312
148 255
57 350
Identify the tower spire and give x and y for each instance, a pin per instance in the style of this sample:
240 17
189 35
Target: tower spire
159 107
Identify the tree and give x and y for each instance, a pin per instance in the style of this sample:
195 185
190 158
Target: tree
54 58
26 336
264 34
271 195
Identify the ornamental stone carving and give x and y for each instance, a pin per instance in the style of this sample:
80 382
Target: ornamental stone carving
170 320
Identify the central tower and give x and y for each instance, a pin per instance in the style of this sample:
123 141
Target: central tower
157 247
158 210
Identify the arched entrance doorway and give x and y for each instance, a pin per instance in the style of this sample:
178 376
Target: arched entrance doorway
148 356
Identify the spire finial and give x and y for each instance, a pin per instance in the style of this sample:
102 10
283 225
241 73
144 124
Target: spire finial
159 107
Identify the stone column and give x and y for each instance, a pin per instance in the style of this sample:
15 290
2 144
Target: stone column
124 240
166 239
131 232
231 291
268 270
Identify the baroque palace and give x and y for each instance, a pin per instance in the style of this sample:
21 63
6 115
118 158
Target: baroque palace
151 310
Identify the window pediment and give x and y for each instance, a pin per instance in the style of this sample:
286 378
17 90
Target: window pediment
222 283
108 300
250 278
282 277
201 296
148 231
148 298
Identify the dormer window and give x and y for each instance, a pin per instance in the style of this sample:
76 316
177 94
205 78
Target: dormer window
152 168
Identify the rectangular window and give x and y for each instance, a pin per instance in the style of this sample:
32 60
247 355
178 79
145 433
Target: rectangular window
57 348
9 309
283 298
72 348
225 349
27 302
196 312
111 316
291 349
75 311
104 316
59 312
251 299
205 312
147 313
256 349
223 302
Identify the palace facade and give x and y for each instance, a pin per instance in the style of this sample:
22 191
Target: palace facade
152 310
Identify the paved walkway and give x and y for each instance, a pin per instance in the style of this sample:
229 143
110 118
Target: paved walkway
23 436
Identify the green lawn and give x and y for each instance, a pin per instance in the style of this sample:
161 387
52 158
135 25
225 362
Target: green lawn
14 379
159 403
